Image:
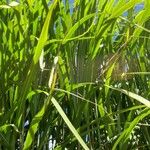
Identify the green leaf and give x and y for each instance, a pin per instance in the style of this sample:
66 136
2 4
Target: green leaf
126 133
38 117
119 10
132 95
32 69
69 124
34 126
10 5
76 26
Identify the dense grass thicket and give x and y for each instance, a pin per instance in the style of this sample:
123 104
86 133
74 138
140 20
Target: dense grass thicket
74 75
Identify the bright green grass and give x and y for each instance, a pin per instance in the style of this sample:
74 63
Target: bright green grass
80 76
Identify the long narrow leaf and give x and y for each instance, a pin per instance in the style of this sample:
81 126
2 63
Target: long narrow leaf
69 124
133 95
32 70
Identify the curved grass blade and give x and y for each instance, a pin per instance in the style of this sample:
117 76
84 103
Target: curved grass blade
126 133
34 126
76 26
132 95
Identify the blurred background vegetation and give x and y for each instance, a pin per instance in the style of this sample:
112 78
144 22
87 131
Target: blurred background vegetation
74 74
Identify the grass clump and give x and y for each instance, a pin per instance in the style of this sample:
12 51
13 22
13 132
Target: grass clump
74 75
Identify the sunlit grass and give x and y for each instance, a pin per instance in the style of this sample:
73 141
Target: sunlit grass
74 75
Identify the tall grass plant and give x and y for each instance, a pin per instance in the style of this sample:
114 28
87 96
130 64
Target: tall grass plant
74 75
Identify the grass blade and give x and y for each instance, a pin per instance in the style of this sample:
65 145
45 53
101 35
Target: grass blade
69 124
32 70
132 95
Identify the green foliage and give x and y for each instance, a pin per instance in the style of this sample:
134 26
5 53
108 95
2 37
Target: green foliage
74 75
